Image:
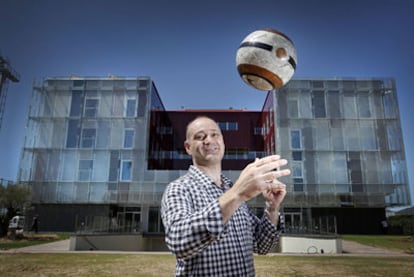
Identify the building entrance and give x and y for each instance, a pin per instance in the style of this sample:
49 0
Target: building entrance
129 219
293 222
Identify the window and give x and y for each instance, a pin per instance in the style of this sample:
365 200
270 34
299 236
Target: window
317 84
88 138
130 107
340 167
322 136
318 103
113 166
295 139
142 83
296 169
154 221
76 103
293 108
334 106
126 170
232 126
73 133
128 138
85 170
354 168
349 104
258 131
367 136
78 83
337 139
163 130
297 184
91 107
363 105
228 126
297 155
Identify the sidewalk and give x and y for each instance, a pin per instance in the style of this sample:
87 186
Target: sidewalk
61 246
354 248
349 248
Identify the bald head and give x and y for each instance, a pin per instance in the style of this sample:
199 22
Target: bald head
204 142
195 121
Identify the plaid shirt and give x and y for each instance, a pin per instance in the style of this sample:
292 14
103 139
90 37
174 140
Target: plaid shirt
195 233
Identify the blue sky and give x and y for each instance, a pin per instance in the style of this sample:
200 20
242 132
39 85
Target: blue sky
189 49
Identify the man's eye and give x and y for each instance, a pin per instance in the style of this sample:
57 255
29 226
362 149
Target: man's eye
199 137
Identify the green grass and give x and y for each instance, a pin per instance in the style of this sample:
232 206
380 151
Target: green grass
92 264
400 243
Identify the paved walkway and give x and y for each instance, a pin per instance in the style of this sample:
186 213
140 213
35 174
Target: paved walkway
61 246
349 248
354 248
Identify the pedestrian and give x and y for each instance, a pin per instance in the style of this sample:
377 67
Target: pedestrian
384 226
208 225
35 224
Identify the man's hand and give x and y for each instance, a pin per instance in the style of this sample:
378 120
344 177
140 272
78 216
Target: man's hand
261 176
258 177
274 198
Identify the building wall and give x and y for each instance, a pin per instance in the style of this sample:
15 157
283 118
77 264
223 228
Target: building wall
87 142
107 144
344 144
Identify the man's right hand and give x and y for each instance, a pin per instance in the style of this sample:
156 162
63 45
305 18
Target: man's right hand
259 176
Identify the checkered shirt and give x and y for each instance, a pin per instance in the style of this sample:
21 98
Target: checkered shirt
195 232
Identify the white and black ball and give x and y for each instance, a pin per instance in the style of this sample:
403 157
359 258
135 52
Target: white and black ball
266 59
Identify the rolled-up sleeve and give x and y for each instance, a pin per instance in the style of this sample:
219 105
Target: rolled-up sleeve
267 235
188 230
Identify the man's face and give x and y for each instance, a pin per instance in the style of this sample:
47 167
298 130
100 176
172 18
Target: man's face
204 142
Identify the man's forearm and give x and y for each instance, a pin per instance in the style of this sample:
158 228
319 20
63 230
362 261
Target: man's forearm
273 214
229 202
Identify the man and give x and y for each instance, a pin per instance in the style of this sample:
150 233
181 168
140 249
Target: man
207 223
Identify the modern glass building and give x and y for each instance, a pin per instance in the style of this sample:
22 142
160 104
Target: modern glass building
99 152
85 154
344 141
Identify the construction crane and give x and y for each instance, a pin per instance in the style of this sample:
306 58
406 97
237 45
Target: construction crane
6 73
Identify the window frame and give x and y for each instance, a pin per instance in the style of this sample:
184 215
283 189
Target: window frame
85 139
94 109
125 138
123 169
299 139
128 99
88 171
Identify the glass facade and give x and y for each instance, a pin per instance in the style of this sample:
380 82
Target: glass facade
86 144
344 142
106 147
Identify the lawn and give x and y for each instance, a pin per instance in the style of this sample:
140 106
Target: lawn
92 264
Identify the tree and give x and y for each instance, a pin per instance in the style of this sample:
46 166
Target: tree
14 199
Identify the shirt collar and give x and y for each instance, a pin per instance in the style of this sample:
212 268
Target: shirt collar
205 180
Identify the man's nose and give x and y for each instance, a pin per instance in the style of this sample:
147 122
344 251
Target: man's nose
207 139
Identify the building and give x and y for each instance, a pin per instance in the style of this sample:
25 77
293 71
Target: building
99 152
345 143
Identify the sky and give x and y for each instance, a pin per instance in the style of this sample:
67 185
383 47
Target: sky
189 49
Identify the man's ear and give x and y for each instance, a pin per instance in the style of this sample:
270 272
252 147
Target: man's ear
187 147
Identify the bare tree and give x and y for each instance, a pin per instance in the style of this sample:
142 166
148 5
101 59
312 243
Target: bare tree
14 200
